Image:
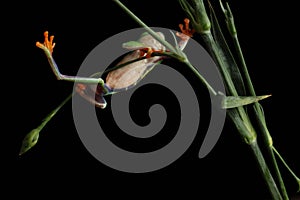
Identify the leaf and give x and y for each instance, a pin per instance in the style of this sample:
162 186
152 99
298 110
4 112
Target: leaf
226 55
233 101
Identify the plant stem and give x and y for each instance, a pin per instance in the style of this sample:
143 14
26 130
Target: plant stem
202 79
247 135
148 29
213 49
267 139
32 137
260 118
288 168
265 171
53 112
240 125
211 44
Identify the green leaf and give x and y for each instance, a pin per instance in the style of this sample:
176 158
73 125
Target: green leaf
233 101
226 55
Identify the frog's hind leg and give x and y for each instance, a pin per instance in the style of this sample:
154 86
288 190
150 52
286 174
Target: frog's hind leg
48 47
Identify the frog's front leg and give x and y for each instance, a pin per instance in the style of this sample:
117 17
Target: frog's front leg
186 33
48 47
91 88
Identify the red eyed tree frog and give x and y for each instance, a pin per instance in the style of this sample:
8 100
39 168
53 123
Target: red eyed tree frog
136 65
128 72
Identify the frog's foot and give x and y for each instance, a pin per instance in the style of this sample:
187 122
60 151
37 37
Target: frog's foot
48 44
186 31
148 52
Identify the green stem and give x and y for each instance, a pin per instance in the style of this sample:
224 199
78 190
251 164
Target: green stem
182 58
32 137
288 168
265 171
53 112
213 48
260 118
148 29
240 125
211 44
267 139
202 79
247 135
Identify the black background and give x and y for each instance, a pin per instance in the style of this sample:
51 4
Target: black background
60 164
